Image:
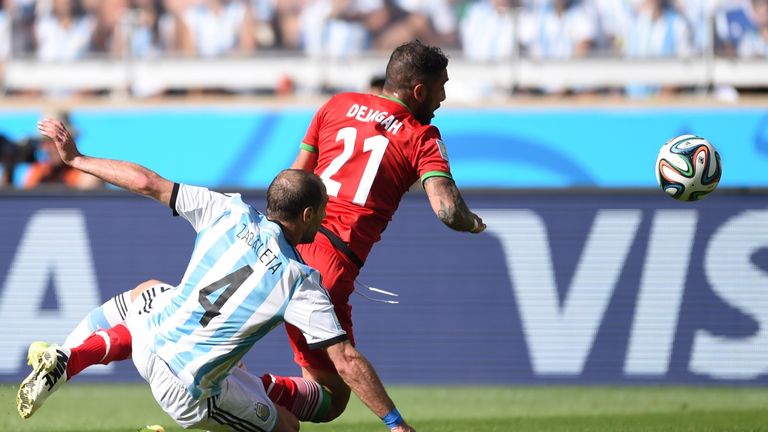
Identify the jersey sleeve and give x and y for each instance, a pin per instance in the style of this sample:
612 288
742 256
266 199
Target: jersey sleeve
311 311
431 156
198 205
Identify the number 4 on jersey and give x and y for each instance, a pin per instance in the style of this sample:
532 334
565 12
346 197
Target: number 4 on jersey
375 144
232 281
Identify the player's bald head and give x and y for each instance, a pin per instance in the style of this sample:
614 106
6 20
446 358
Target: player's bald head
414 63
291 192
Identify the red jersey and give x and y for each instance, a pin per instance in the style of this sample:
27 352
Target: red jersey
370 151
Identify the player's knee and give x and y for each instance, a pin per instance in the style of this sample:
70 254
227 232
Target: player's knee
339 401
334 412
140 288
334 388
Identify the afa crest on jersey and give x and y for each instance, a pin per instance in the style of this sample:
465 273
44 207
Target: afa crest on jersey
443 150
262 411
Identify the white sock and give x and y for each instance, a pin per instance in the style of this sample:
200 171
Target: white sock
105 316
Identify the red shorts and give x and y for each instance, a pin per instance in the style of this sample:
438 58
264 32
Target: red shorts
338 276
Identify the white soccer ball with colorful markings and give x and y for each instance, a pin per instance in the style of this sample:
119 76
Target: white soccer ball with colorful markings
688 168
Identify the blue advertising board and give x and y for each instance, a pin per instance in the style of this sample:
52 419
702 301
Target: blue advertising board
489 148
563 287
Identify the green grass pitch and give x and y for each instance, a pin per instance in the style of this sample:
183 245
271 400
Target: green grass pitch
113 408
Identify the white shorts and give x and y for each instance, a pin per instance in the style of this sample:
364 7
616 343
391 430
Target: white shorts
242 404
145 302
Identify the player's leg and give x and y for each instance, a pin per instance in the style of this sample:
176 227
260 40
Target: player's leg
139 300
336 387
109 314
114 344
102 347
304 397
319 395
113 311
32 393
53 365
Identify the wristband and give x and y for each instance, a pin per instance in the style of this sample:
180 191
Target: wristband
393 418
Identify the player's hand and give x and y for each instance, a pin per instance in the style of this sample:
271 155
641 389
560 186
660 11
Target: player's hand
405 427
56 132
479 225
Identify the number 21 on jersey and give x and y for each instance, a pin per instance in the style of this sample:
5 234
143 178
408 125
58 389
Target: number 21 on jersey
375 144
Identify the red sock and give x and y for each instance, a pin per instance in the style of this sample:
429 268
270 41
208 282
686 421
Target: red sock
95 350
283 390
306 399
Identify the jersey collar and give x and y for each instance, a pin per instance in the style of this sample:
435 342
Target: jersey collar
282 230
293 246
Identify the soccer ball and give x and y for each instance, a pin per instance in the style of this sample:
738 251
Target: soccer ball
688 168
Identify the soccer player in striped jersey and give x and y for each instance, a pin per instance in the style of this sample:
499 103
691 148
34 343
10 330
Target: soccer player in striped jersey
245 277
369 150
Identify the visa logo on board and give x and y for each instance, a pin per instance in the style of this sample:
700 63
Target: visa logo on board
561 334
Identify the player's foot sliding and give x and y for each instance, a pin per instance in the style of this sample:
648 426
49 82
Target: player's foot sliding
49 372
53 365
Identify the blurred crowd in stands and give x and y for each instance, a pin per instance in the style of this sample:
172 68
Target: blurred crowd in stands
34 162
482 30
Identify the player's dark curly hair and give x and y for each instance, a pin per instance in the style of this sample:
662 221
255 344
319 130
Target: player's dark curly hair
413 63
291 192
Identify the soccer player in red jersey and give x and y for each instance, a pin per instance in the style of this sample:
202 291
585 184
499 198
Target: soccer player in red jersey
369 150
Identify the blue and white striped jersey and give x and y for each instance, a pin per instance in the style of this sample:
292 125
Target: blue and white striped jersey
243 280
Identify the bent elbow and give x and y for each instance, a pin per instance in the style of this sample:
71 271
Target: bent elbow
344 369
140 183
344 359
345 364
145 186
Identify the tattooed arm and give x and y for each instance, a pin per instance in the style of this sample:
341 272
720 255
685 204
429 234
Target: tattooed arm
449 205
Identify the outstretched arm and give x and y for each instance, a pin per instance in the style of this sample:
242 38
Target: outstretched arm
360 376
449 205
126 175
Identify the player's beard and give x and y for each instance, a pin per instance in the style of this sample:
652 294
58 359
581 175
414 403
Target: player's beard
423 115
308 236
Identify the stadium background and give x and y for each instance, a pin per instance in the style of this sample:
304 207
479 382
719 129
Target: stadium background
587 274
